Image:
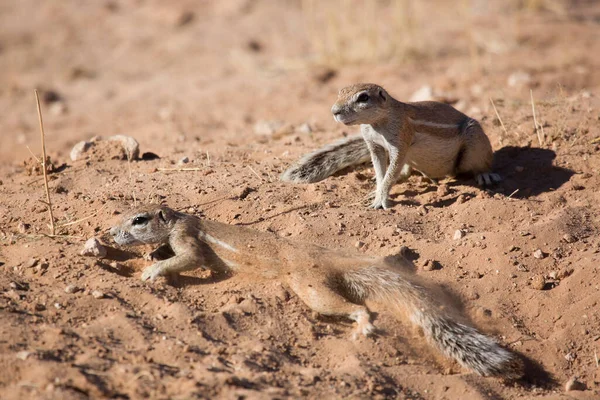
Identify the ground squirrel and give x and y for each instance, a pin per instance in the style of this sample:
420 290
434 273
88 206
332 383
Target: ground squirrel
329 282
431 137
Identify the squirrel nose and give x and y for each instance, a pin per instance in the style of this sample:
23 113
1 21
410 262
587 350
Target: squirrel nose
336 109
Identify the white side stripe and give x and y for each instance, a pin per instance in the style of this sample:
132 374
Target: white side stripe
432 124
218 242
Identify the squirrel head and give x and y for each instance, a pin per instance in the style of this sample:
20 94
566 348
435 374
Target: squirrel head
362 103
149 224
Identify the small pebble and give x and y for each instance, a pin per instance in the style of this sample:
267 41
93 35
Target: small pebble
359 244
539 254
23 355
569 238
443 190
31 263
93 248
538 282
97 294
131 146
458 234
71 289
304 128
183 161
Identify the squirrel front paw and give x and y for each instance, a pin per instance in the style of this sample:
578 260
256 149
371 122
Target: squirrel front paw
153 272
379 203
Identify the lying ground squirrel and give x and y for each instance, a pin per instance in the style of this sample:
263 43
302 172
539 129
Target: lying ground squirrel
329 282
433 138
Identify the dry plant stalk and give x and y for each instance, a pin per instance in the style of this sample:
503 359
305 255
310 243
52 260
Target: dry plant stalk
540 135
48 201
498 115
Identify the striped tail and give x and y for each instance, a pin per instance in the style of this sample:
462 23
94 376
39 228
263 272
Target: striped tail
472 349
326 161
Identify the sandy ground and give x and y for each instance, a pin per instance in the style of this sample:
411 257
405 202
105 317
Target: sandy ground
242 89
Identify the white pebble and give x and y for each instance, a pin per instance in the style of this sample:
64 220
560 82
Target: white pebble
93 248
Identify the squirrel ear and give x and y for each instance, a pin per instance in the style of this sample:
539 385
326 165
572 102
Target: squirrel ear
382 95
162 214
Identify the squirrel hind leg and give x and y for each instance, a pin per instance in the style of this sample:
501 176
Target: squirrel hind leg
319 297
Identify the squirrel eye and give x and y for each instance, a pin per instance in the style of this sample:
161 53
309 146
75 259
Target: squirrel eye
363 98
139 220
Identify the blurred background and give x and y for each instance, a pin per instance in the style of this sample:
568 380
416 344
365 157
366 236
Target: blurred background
184 73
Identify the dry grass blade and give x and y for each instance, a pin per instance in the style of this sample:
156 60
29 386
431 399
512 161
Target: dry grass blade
540 135
180 169
84 218
255 173
49 202
498 115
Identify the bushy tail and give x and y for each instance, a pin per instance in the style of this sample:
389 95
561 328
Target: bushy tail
326 161
465 344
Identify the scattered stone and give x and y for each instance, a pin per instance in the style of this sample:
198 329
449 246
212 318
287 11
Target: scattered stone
58 108
93 248
80 148
71 289
40 268
359 244
443 190
267 127
431 265
574 384
538 282
518 79
539 254
458 234
183 161
553 275
31 263
39 307
569 238
23 355
97 294
424 93
304 128
131 146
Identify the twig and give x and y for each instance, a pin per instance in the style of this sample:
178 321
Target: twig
512 194
180 169
130 177
535 123
207 159
84 218
255 173
33 155
39 109
596 358
498 115
594 141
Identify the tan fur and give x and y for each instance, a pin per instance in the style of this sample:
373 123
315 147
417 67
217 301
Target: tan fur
329 282
430 137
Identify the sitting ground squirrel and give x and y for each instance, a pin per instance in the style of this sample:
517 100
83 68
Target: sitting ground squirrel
329 282
433 138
